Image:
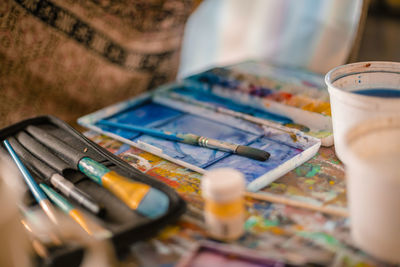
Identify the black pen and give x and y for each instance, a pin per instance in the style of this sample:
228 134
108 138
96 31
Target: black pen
50 174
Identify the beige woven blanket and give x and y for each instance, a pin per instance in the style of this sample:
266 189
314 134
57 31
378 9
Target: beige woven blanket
68 58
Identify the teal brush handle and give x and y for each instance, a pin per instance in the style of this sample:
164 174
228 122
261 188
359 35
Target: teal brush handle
141 197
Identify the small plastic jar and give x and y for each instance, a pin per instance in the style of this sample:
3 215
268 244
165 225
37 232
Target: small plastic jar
223 193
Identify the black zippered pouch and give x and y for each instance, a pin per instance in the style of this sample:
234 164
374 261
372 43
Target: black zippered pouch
127 225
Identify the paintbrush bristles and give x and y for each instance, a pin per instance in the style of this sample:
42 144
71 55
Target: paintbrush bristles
190 139
253 153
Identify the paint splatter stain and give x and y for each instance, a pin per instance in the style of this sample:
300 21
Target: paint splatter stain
278 188
322 238
307 170
335 161
298 126
293 137
310 181
314 170
271 222
277 230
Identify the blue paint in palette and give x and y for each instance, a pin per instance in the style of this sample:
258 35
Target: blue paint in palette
198 156
379 92
251 169
148 114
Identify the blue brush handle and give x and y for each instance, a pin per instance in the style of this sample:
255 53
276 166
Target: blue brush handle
33 186
149 131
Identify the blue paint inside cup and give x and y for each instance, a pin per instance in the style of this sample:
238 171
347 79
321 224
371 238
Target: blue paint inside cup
379 92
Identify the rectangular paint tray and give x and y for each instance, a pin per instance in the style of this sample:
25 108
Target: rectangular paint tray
162 110
296 94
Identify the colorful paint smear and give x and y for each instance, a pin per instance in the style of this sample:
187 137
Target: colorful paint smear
184 181
277 231
287 86
319 181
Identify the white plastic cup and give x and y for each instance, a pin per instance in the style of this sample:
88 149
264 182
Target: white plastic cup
373 186
348 108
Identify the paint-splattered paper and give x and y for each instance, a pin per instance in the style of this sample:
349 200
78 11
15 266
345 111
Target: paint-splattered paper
321 181
277 231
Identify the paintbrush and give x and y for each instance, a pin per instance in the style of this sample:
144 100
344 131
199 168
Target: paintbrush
38 194
138 196
274 198
89 226
192 139
50 174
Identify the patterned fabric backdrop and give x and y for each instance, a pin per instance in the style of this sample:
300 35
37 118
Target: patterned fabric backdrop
68 58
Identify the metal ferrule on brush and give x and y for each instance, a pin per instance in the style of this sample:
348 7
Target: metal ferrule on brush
62 184
69 189
215 144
